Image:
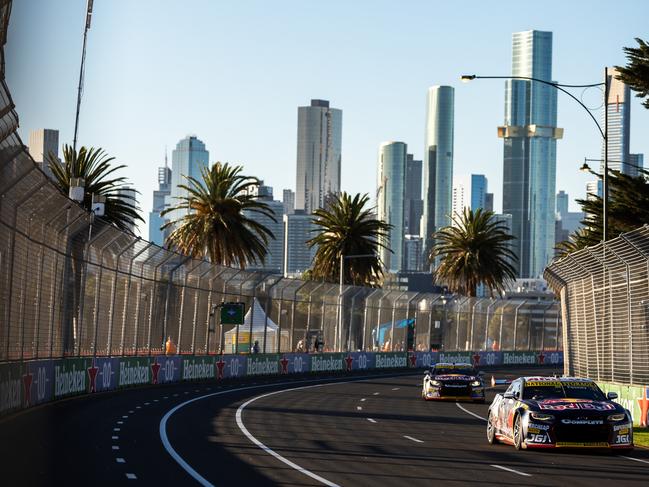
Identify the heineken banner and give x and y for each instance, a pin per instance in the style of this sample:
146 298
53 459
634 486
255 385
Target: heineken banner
39 381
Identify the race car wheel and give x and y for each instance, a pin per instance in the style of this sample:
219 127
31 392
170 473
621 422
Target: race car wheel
491 431
518 432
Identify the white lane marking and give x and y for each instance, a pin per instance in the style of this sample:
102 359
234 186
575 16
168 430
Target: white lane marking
634 459
469 412
295 466
155 400
131 412
115 447
413 439
120 422
138 407
186 392
359 408
120 460
117 429
363 400
395 388
131 476
125 416
511 470
376 393
146 403
193 473
175 395
166 397
114 437
371 420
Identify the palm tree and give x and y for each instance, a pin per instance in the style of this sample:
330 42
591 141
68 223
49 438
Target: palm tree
347 227
215 220
95 167
475 250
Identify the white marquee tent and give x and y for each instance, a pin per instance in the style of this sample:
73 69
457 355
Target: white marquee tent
260 323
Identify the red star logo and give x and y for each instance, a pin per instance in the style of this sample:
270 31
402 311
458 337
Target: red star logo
219 368
541 357
476 359
284 364
92 375
155 368
644 407
350 360
27 384
413 360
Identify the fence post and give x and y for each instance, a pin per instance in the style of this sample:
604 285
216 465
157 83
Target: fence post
182 305
113 290
126 296
394 309
516 322
486 326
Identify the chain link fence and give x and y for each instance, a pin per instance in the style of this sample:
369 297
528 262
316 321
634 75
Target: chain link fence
605 305
73 287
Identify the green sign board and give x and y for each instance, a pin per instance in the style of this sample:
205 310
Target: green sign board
232 313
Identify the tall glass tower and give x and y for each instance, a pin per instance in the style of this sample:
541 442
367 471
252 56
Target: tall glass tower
390 200
319 140
529 167
187 159
619 126
438 162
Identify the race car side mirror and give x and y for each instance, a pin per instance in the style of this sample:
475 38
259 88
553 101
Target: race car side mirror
611 395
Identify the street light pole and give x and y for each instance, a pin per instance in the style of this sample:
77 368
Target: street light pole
82 73
603 132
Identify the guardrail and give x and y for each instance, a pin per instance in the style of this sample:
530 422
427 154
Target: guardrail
23 385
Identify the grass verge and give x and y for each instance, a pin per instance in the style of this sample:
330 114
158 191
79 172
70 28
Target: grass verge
641 437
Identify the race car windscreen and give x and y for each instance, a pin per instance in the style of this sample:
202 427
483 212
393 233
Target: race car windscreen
561 389
454 371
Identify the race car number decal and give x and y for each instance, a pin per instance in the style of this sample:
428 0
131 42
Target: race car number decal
623 439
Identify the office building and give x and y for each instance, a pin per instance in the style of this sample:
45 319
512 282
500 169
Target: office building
288 198
188 159
479 185
593 189
156 235
618 107
438 161
529 167
319 141
412 253
461 199
567 222
390 201
413 204
274 260
636 162
298 229
489 201
42 143
562 202
129 195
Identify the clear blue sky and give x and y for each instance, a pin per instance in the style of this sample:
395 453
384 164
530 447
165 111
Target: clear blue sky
234 73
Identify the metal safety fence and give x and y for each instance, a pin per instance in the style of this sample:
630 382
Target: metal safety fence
605 305
73 286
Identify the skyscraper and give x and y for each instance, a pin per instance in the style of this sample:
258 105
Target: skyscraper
129 195
637 162
414 205
288 198
274 260
562 202
319 139
42 142
438 161
298 228
619 126
529 168
160 195
479 193
187 159
390 200
461 201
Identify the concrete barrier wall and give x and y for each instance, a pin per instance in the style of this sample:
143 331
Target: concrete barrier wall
27 384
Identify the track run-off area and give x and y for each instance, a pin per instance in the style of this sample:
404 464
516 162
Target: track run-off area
370 430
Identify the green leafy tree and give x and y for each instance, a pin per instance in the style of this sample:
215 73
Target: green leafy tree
97 169
215 221
475 250
636 72
627 209
348 227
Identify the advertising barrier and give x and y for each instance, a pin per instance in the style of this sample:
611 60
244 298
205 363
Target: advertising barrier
31 383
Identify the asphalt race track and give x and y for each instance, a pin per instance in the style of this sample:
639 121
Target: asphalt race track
368 431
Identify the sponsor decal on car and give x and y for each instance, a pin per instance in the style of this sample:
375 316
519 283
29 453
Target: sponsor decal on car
574 404
622 428
582 421
538 426
572 444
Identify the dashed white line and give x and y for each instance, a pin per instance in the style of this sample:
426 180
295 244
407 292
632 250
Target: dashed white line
155 400
131 476
363 400
511 470
114 437
147 403
395 388
376 393
125 417
359 408
469 412
186 392
120 422
131 412
175 395
634 459
371 420
166 397
120 460
413 439
138 407
115 447
117 429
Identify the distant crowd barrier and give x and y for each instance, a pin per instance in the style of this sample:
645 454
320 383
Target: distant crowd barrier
27 384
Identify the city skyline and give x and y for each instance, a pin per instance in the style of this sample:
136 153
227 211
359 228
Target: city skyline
384 108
